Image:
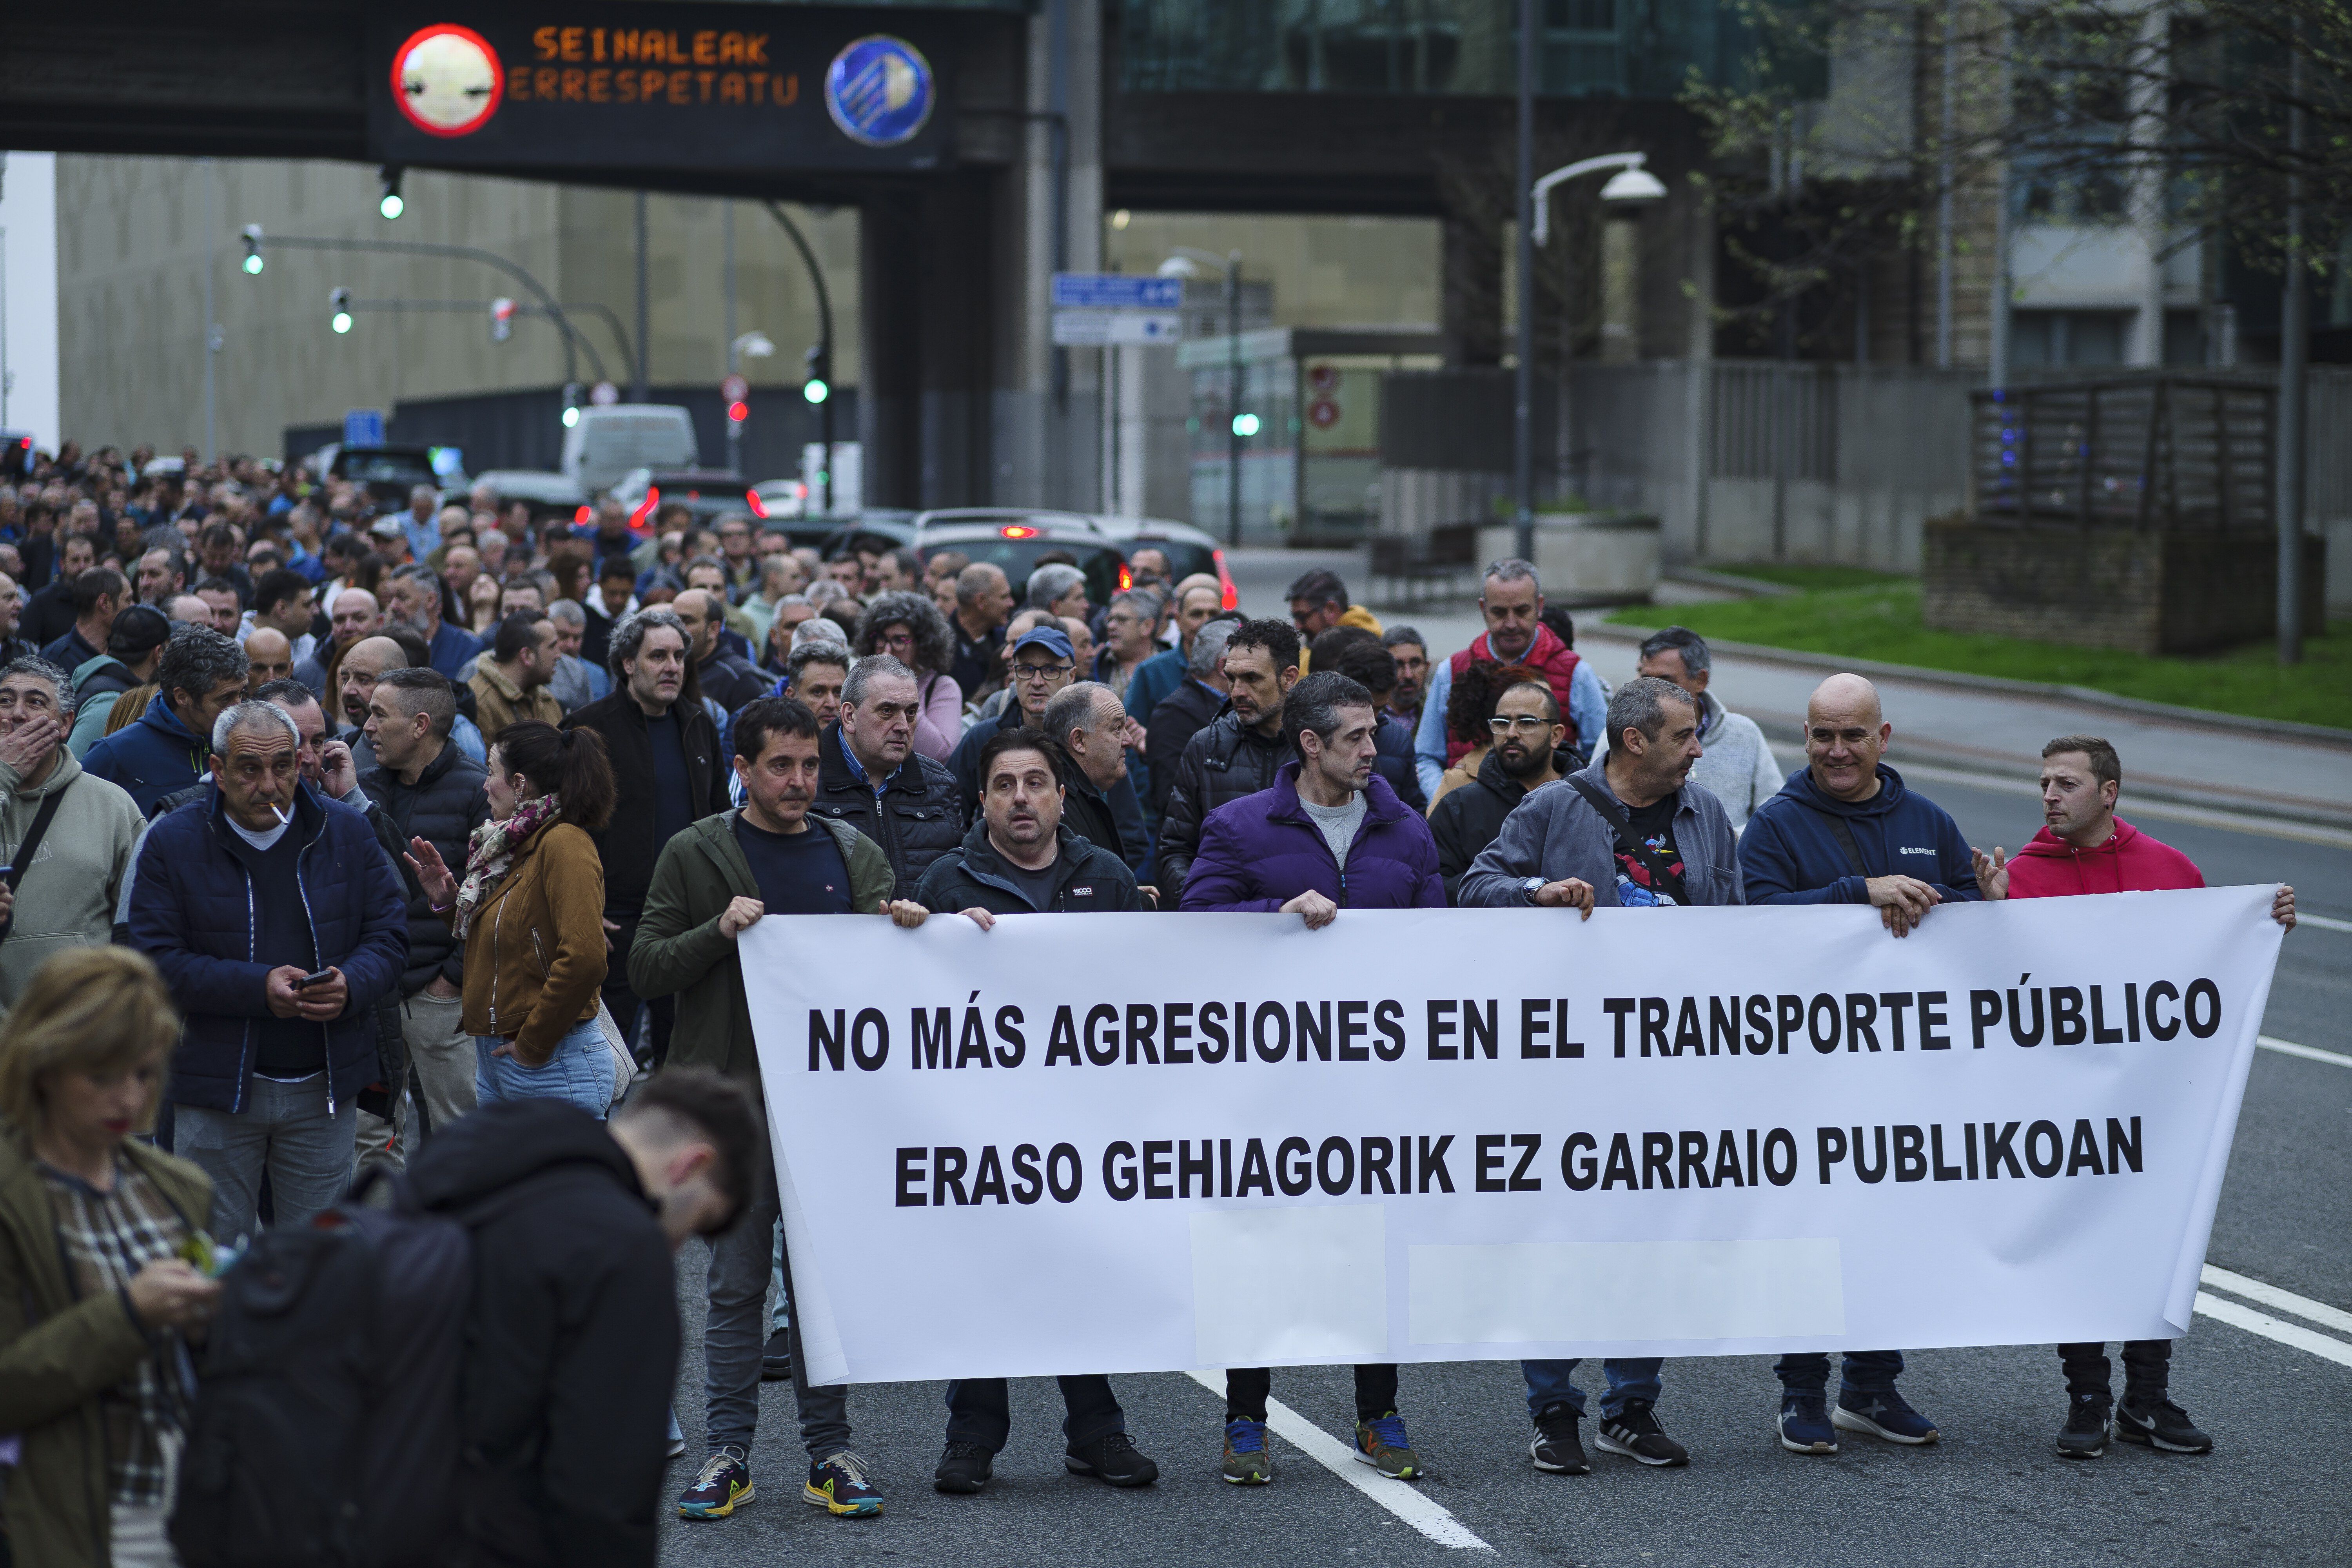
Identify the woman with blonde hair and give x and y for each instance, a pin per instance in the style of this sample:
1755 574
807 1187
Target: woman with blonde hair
95 1297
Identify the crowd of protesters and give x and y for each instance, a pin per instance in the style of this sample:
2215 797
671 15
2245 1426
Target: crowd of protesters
343 836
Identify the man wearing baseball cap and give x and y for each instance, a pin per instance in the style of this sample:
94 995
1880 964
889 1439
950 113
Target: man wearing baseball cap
133 645
1042 662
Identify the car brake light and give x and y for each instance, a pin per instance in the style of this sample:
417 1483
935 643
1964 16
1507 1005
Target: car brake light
584 516
1017 530
1126 578
752 499
646 507
1232 594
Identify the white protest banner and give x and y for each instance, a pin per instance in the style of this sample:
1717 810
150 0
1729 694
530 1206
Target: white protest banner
1489 1133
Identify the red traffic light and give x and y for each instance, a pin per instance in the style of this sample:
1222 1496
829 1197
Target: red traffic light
738 411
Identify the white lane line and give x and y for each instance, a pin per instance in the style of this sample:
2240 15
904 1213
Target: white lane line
2308 1053
2319 1312
2270 1328
1402 1498
2325 922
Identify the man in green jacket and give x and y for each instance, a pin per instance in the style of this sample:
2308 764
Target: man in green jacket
769 857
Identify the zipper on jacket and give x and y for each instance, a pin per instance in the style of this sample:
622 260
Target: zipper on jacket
497 925
317 950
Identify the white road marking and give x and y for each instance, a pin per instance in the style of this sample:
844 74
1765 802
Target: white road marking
1402 1498
2308 1053
2325 922
2271 1295
2270 1328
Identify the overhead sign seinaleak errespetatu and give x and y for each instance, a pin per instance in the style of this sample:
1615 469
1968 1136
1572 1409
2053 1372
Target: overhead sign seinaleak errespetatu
1451 1134
565 86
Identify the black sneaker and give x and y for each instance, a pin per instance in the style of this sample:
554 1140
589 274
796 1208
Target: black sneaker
964 1468
1113 1458
2088 1426
2164 1427
1554 1447
1634 1432
776 1359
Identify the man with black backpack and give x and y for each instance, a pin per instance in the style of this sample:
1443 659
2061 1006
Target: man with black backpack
476 1374
1630 832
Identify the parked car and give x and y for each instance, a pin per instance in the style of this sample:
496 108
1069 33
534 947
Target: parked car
387 473
1017 539
1190 550
547 494
709 493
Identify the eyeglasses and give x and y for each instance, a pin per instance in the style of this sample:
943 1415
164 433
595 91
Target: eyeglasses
1038 674
897 639
1528 722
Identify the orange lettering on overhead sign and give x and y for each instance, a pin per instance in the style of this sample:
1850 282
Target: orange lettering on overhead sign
575 86
788 92
571 37
706 48
544 41
650 86
677 54
600 86
544 83
596 43
730 48
755 48
681 83
704 79
731 87
519 83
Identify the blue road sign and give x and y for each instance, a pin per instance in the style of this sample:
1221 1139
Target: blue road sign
879 91
1117 291
364 428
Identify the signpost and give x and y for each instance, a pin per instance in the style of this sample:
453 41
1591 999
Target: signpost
364 428
1116 328
1117 309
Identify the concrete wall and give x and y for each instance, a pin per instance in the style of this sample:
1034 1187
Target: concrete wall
133 261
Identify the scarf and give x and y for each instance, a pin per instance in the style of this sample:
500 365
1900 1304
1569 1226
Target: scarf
489 854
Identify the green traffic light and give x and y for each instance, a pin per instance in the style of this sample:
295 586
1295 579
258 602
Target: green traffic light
342 321
1245 425
253 262
815 391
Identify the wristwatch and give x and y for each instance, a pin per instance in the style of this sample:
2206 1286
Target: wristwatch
1531 886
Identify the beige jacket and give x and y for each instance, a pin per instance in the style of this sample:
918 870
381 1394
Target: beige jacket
68 896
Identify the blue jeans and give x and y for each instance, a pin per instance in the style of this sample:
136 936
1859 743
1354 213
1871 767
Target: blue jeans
1865 1372
581 1072
284 1130
1633 1378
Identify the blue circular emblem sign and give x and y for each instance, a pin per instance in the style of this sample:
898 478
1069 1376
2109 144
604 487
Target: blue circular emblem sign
879 91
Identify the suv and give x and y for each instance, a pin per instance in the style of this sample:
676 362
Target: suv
1018 539
386 473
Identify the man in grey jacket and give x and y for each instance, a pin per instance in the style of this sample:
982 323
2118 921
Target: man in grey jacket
1630 831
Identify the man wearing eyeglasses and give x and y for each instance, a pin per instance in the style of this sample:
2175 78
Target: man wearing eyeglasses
1528 752
1041 663
1632 831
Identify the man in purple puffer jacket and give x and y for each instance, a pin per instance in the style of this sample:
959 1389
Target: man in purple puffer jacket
1329 835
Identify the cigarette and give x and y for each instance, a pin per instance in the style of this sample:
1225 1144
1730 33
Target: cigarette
281 814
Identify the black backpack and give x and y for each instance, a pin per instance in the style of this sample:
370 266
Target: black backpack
326 1430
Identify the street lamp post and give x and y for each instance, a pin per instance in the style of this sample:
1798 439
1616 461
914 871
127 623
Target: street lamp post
753 344
1633 183
1187 263
822 384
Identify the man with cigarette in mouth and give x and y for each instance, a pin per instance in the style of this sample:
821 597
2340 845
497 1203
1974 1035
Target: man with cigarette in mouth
278 924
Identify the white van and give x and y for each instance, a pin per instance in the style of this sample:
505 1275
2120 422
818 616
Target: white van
606 443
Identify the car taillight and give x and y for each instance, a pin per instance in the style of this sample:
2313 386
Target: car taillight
1232 595
1126 578
584 516
646 507
1017 530
752 499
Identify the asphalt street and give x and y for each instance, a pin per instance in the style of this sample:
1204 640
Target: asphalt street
1992 1491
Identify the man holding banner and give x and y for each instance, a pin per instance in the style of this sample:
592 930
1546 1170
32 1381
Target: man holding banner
2084 847
1630 831
1019 859
1330 834
1806 846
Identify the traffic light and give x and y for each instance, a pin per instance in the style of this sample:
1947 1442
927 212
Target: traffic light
572 398
503 312
340 302
253 247
738 412
392 207
818 386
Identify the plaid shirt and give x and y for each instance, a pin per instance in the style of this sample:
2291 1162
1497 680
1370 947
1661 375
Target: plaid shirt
107 1238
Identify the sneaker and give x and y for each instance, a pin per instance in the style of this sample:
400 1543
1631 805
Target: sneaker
2088 1425
837 1484
1247 1464
724 1486
1882 1413
1805 1425
1112 1458
964 1468
776 1358
1381 1442
1554 1447
2163 1425
1634 1432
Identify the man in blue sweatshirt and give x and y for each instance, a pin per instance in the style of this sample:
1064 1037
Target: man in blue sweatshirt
1844 830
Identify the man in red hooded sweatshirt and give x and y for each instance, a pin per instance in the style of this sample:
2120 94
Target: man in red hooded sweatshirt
2083 847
